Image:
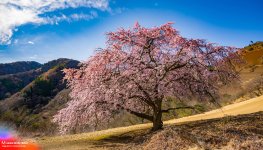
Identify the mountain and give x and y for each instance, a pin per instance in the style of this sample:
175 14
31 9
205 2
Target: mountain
16 67
40 91
10 83
14 76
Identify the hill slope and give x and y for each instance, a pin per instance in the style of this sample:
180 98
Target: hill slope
85 140
251 77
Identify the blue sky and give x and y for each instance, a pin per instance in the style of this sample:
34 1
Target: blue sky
75 28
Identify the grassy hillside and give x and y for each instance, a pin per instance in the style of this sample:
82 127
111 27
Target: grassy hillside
229 133
188 132
251 76
254 53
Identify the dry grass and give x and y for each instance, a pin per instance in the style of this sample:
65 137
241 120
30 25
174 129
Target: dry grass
88 140
239 132
230 133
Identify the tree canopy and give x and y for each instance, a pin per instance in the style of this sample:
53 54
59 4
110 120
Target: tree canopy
139 69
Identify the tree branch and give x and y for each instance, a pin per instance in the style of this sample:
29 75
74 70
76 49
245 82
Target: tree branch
141 115
142 89
148 102
174 66
148 49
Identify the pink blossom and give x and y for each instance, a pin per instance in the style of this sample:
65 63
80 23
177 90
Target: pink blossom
139 69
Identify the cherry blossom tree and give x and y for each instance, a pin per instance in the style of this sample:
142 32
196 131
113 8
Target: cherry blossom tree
139 69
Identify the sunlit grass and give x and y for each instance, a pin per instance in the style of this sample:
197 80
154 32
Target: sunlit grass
245 107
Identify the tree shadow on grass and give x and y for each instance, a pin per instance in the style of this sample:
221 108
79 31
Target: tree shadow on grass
133 137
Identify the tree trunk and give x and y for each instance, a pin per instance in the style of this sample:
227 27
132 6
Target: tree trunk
157 117
157 121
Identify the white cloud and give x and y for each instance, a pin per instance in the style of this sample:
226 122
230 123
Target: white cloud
14 13
30 42
70 18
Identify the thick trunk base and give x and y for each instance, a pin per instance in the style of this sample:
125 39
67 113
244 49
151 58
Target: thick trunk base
157 126
157 121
